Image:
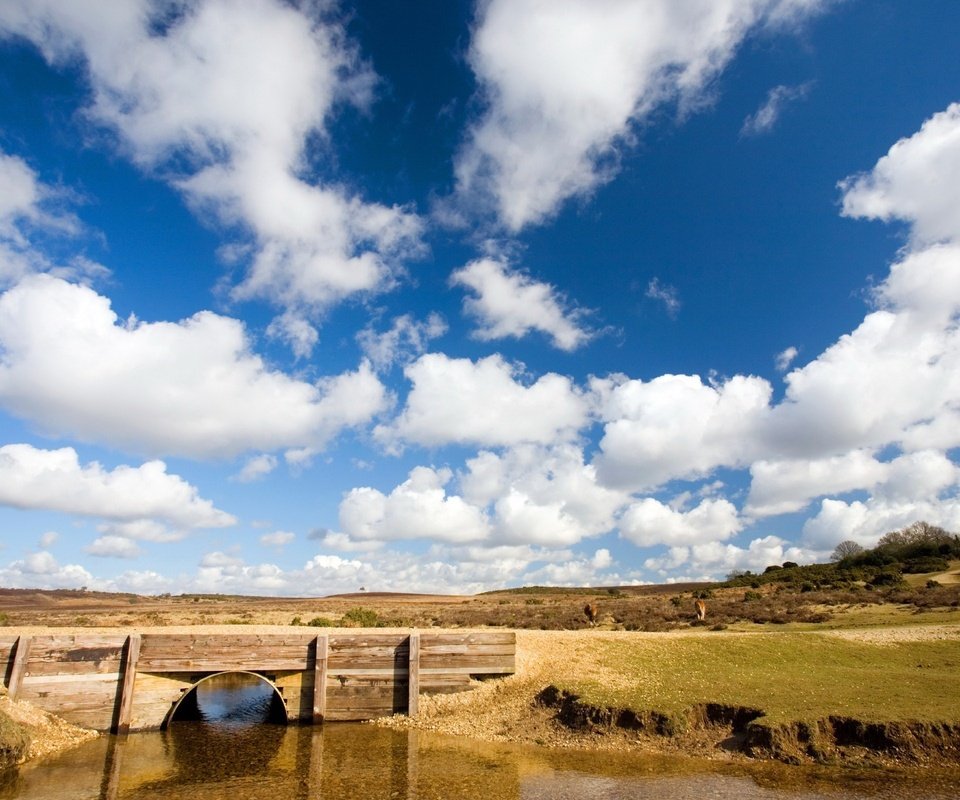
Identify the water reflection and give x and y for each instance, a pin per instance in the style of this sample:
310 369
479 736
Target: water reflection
208 760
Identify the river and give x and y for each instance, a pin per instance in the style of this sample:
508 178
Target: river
232 751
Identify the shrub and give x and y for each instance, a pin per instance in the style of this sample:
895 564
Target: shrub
296 621
321 622
362 618
748 596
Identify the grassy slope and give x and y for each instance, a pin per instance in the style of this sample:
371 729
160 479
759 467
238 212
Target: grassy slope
788 676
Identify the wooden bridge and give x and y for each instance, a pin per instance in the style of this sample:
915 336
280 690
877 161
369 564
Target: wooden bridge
136 681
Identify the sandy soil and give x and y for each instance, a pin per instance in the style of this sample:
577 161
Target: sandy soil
48 734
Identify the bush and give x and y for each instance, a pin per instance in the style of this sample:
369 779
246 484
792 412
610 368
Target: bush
320 622
362 618
917 566
748 596
296 621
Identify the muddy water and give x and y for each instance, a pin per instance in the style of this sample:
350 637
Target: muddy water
233 751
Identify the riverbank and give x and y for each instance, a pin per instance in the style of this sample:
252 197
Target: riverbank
28 734
857 695
872 696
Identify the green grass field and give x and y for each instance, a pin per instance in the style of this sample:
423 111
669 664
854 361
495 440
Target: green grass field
788 676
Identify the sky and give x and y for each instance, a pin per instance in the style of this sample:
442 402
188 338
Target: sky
299 298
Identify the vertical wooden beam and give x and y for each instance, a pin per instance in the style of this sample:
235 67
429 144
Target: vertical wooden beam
320 680
128 678
413 677
19 667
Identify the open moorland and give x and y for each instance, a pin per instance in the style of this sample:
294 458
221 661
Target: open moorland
824 663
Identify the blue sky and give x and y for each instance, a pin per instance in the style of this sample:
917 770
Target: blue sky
303 297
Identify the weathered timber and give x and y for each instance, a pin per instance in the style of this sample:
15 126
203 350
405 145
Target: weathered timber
320 679
134 681
413 676
19 668
127 683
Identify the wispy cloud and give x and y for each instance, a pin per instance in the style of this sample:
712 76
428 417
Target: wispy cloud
765 118
665 294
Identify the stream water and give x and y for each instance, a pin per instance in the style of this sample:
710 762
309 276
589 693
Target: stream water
233 751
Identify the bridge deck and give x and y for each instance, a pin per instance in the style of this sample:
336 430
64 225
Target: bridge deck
132 681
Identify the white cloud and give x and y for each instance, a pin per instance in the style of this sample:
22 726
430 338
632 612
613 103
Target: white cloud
54 480
49 539
565 80
541 495
675 426
782 487
191 388
277 539
508 303
405 340
918 180
766 117
113 547
296 331
221 100
256 467
713 560
456 400
42 571
142 530
419 508
917 486
28 206
665 294
785 358
649 522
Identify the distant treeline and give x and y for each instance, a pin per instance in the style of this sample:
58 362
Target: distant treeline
919 548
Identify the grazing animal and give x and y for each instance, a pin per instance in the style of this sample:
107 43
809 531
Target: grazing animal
701 609
591 612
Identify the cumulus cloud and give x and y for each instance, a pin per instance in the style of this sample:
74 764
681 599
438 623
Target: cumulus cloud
782 487
456 400
220 97
915 486
419 508
677 426
54 480
190 388
541 495
713 560
405 340
565 81
765 118
915 181
649 522
507 303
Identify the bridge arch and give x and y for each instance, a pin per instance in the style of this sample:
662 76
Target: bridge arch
188 702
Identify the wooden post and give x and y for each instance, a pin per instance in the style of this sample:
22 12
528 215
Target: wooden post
19 667
320 680
126 688
413 685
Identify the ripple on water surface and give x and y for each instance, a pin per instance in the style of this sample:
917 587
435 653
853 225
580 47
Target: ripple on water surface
234 753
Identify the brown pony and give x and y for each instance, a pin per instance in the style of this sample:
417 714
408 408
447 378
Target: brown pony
591 612
701 609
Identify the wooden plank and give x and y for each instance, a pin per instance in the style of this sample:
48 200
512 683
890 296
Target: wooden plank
413 677
19 666
126 686
320 679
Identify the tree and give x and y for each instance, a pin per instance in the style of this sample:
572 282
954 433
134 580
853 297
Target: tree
846 549
917 533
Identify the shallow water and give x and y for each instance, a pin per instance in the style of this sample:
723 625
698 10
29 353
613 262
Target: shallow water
232 752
